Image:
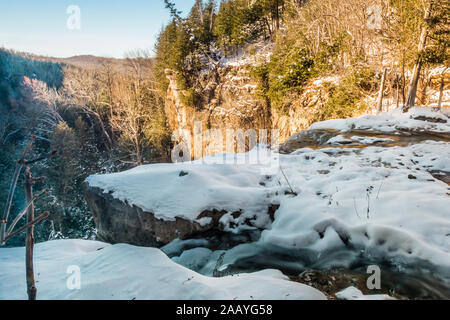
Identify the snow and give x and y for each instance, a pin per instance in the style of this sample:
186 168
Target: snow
124 272
408 214
369 140
391 121
205 187
381 201
262 54
333 80
341 140
352 293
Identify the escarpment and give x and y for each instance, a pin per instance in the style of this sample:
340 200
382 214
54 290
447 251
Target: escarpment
230 101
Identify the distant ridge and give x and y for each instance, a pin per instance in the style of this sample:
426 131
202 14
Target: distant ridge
87 61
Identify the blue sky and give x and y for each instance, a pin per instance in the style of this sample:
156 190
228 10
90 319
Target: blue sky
109 28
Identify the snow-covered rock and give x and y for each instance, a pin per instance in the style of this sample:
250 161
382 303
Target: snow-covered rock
380 202
417 119
352 293
155 204
124 272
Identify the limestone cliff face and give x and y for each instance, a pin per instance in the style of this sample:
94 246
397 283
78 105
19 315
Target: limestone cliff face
119 222
230 101
303 112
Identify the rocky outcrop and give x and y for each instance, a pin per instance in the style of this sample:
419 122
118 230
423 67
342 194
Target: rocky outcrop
307 138
230 101
119 222
304 110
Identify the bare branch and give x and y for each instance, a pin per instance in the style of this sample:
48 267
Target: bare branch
43 216
20 215
12 189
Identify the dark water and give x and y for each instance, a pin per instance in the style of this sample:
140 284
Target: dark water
332 271
403 278
412 279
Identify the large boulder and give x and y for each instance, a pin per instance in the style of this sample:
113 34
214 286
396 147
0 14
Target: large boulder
119 222
154 204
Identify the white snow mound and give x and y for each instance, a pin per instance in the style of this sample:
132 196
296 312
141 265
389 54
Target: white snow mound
124 272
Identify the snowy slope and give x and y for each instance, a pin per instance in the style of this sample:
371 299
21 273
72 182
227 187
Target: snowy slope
125 272
352 293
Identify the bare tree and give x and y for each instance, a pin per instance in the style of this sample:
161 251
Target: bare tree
412 91
381 93
29 211
83 90
129 113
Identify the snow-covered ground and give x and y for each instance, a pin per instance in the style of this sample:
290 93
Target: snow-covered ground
379 198
379 202
124 272
352 293
382 201
392 121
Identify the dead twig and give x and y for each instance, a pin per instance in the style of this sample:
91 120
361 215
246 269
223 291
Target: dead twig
356 210
285 177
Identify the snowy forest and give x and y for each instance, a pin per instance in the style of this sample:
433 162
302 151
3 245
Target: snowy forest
352 98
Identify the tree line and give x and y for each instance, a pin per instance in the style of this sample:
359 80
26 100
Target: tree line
99 120
312 38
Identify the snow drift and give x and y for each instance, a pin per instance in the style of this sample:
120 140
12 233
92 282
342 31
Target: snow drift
384 202
124 272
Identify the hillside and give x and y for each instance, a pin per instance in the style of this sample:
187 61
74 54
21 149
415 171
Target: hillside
284 67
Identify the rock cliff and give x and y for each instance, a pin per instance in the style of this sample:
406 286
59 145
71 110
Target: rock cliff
230 100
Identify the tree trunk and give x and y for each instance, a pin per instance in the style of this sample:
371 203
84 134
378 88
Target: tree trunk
380 95
403 79
277 15
103 129
211 17
138 151
412 91
441 93
31 288
397 98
